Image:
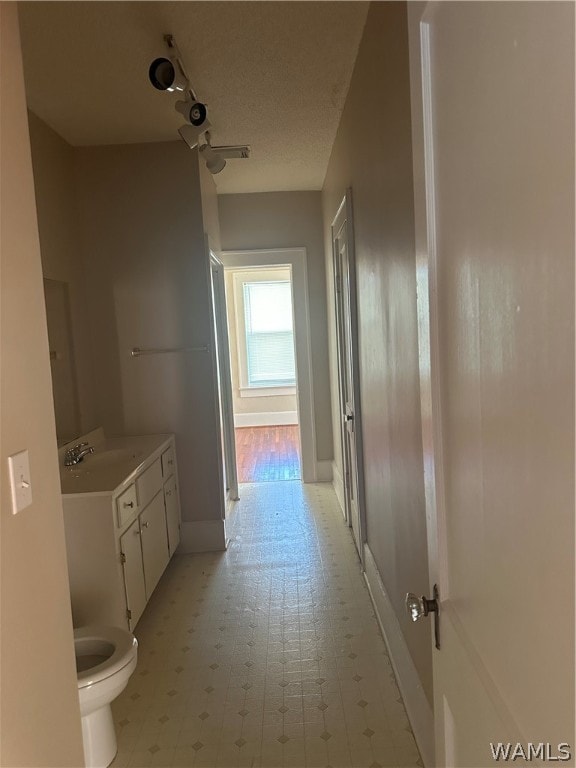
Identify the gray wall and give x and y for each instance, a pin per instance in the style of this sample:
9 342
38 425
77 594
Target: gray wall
372 154
142 238
124 226
53 164
289 220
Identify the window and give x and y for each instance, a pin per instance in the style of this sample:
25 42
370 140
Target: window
269 333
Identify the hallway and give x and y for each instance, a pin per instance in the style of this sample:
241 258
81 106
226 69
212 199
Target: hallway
268 654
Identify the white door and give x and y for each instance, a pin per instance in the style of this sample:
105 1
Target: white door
349 393
224 379
494 175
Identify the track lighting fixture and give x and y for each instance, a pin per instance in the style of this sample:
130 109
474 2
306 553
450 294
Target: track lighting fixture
167 73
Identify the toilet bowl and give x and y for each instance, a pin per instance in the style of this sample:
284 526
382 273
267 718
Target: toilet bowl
105 659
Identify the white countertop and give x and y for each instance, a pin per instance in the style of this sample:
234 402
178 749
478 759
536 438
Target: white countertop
113 465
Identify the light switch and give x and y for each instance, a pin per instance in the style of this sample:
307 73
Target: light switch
20 482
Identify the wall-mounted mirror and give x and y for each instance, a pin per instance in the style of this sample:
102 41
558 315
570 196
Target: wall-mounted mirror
64 384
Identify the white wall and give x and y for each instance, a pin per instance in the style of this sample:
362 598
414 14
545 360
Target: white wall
274 220
39 712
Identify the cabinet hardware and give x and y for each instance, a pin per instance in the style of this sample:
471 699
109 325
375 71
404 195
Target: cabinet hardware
128 613
128 503
146 524
122 557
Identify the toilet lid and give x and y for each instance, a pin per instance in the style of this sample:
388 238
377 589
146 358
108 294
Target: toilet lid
90 641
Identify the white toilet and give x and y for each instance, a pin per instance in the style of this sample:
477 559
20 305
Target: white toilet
105 659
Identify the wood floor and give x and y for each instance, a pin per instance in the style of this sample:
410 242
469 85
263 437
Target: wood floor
268 454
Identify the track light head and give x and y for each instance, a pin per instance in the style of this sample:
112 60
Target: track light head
214 162
166 75
195 112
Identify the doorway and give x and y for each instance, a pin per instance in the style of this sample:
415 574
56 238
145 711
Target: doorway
348 371
268 323
260 315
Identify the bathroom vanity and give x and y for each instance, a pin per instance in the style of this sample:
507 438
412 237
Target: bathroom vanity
122 524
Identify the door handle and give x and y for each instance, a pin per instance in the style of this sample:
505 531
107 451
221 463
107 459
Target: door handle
420 607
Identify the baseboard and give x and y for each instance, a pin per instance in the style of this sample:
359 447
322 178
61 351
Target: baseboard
338 483
202 536
324 471
266 419
417 706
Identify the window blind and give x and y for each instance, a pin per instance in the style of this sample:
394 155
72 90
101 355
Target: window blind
269 334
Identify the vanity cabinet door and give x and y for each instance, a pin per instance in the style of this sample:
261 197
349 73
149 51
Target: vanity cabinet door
172 514
154 542
133 573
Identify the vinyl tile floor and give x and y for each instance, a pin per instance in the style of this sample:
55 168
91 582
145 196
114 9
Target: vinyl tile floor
268 654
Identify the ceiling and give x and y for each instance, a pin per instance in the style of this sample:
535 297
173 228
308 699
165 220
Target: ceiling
274 75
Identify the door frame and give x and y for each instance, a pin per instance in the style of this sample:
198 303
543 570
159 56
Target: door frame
224 377
344 218
297 260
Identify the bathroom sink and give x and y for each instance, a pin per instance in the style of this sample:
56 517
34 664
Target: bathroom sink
113 463
104 459
104 456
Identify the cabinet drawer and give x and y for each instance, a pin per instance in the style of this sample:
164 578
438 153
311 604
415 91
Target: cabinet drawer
149 483
126 505
168 462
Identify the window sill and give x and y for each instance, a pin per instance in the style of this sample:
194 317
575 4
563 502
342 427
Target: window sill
267 391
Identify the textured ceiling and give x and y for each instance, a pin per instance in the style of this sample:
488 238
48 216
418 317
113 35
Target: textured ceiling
274 75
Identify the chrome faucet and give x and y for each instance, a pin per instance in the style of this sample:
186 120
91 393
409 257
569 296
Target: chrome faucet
76 454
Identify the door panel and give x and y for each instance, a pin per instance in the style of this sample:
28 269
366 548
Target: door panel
155 553
133 572
498 103
349 386
224 379
348 379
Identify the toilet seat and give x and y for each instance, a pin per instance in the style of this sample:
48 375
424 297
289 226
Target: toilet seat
91 640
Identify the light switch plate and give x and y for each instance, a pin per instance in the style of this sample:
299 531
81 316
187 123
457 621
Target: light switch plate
20 482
